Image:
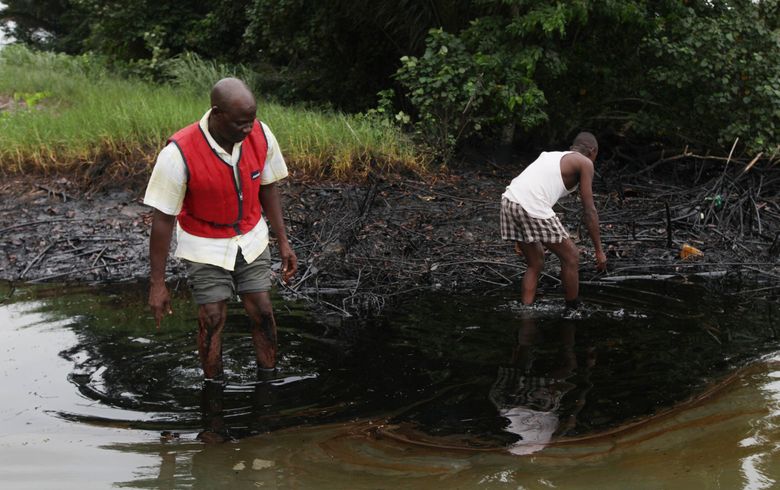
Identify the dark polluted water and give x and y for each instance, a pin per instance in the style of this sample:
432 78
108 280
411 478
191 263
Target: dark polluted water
445 388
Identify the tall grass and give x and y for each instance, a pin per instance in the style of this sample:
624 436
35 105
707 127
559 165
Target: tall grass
91 120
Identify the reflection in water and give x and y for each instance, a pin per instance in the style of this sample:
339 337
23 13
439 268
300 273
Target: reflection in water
758 468
433 396
214 428
442 369
728 441
529 392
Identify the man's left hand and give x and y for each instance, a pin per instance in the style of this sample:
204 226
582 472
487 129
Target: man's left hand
601 261
289 263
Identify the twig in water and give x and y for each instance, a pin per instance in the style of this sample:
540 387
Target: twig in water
10 294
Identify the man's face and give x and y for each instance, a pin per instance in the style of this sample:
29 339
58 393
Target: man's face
234 122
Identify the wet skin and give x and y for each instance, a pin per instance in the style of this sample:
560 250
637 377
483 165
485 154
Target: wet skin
576 168
211 324
231 120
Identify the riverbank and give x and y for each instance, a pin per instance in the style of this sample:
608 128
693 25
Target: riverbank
364 245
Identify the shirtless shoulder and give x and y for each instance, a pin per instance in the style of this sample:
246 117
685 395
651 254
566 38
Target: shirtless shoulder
572 165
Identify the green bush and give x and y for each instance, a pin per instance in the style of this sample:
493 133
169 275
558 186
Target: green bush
445 91
455 93
716 78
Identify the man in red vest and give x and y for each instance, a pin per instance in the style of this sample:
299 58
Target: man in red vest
217 176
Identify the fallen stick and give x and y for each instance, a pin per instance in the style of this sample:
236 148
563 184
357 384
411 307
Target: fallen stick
99 255
35 260
759 290
42 222
323 291
763 272
492 282
661 277
668 225
9 295
63 274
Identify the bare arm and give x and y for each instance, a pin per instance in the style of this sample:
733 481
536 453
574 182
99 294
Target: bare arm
159 244
272 207
591 216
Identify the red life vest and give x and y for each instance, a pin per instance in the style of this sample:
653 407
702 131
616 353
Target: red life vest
215 206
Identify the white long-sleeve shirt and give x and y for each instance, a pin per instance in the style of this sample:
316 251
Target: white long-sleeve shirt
168 185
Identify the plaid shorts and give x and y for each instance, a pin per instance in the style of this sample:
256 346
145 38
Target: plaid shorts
517 225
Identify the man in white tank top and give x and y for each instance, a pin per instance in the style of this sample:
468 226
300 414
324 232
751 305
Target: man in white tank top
527 217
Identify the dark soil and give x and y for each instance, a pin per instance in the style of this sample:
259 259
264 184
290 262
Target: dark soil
363 245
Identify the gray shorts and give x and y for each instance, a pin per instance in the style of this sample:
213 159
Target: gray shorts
519 226
212 284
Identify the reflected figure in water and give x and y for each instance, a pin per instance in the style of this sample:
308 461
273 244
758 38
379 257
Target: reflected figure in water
217 179
212 411
530 391
216 428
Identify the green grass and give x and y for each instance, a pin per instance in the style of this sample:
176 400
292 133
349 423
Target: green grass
81 116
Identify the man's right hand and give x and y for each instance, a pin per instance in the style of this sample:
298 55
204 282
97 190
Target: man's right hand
159 301
159 243
601 262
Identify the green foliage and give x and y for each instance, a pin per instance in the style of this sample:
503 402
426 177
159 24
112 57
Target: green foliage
88 113
682 72
46 24
39 62
591 74
191 72
316 48
444 88
484 79
142 29
716 78
341 51
31 99
93 117
701 74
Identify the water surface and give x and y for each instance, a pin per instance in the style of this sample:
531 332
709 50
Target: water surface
649 376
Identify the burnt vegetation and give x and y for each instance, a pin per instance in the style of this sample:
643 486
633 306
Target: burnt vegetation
365 245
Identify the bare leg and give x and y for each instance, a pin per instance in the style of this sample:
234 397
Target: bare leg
211 323
534 259
570 262
261 315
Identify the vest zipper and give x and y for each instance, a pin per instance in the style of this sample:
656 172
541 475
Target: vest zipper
236 225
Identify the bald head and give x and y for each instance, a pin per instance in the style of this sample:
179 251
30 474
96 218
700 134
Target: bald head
586 144
230 91
233 112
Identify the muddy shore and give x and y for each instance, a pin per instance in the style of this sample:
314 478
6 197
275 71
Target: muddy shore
362 246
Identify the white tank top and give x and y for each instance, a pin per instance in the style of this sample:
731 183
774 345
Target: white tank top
540 185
